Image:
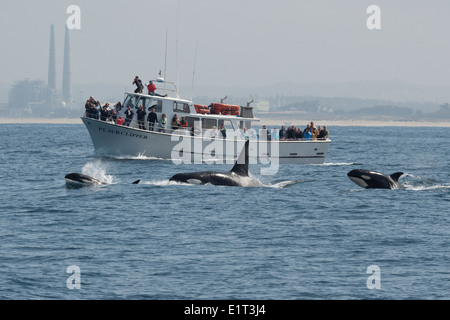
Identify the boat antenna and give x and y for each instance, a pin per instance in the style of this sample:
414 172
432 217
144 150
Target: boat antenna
193 72
223 99
165 61
178 59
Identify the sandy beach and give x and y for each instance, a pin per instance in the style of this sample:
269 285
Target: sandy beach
41 120
268 122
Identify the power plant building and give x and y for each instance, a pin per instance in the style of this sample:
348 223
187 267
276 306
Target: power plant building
37 98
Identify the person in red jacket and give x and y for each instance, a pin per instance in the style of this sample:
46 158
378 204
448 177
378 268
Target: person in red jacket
183 122
120 121
151 88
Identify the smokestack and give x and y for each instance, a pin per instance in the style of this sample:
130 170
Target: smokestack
66 86
51 61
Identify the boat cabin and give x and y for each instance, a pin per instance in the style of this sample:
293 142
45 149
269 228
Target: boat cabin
231 116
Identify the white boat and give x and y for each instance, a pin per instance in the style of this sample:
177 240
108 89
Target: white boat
200 141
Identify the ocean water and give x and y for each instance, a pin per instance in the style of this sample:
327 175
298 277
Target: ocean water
307 233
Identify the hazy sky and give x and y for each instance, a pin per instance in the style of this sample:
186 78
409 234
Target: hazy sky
239 42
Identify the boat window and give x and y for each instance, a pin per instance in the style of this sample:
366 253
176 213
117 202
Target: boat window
208 123
226 123
149 103
191 121
181 107
130 101
145 102
158 106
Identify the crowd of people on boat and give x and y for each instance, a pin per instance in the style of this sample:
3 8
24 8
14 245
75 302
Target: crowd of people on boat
149 121
310 132
293 133
114 114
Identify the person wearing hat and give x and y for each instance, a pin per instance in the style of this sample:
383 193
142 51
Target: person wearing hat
151 88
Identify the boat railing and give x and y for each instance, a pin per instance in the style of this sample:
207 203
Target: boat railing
193 131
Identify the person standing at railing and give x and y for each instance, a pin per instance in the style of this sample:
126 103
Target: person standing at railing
128 116
163 123
175 122
223 131
323 134
183 122
152 118
141 117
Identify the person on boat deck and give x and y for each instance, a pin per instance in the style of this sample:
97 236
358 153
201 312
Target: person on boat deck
307 129
223 131
323 134
141 117
245 134
151 88
264 133
283 133
299 134
291 133
307 135
213 132
314 132
93 112
183 122
128 116
152 118
274 135
163 123
113 114
110 119
175 122
120 121
104 113
139 85
118 107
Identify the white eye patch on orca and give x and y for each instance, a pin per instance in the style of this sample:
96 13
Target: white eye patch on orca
365 177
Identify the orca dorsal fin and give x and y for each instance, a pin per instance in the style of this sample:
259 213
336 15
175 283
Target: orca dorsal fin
241 166
396 176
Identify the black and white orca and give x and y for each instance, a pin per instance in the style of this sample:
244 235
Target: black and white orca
374 180
237 176
80 180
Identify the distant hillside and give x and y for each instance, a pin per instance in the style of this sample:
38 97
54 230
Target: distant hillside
397 91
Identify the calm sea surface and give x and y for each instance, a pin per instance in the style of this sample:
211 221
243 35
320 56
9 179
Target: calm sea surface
308 233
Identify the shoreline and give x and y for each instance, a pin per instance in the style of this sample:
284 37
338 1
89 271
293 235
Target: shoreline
263 121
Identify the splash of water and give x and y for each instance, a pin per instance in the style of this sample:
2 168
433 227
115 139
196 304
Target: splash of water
97 169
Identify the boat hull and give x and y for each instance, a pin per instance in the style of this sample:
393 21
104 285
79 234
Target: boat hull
119 140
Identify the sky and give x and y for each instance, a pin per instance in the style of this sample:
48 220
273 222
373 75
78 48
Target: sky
232 42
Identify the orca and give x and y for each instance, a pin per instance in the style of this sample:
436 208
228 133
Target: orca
237 176
79 180
375 180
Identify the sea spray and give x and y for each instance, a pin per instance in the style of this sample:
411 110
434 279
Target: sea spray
97 169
